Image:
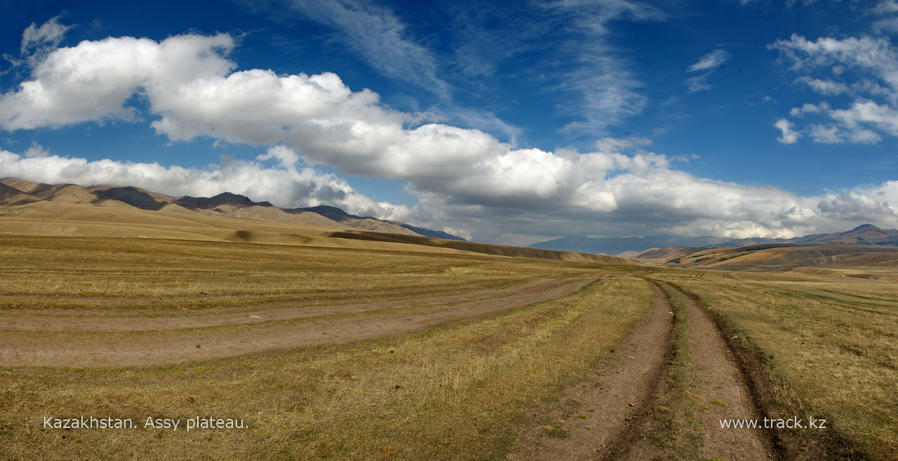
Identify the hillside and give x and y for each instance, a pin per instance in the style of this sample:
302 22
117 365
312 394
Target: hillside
14 191
866 234
129 212
358 222
855 260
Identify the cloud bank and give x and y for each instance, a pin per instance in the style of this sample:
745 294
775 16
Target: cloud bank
464 178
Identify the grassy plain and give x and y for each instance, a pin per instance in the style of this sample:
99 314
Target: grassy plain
459 388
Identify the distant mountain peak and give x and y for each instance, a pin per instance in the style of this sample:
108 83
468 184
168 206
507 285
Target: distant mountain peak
866 227
224 198
132 196
330 212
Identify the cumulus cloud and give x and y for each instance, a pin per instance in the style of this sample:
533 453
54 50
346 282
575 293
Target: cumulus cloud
861 203
93 80
284 184
787 134
659 200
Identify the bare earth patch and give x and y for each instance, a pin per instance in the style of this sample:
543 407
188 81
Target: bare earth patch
609 401
714 389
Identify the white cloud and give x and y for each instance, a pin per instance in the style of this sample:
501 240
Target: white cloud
659 200
698 83
872 203
707 64
828 134
851 123
93 80
886 7
873 62
710 61
787 134
48 34
463 178
824 86
601 80
685 158
888 26
36 150
868 112
621 144
875 55
809 109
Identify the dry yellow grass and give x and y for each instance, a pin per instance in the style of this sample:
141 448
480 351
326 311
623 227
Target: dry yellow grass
463 387
457 391
829 345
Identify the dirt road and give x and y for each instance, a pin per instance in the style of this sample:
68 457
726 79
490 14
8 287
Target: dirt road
656 401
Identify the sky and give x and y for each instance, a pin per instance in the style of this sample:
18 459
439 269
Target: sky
505 122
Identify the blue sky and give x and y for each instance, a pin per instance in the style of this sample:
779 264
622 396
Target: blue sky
507 122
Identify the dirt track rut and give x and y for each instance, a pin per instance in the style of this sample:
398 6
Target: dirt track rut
715 389
626 395
617 393
249 315
74 349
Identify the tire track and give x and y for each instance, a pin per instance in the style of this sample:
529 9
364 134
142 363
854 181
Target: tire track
250 316
785 445
167 347
628 397
715 389
620 394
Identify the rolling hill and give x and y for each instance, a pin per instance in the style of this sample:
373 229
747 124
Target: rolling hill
118 212
843 259
14 191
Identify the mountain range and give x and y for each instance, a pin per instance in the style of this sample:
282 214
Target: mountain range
867 234
15 191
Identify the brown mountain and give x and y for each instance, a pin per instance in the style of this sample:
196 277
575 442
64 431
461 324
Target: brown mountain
367 222
865 234
14 191
225 198
132 196
11 195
